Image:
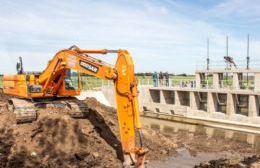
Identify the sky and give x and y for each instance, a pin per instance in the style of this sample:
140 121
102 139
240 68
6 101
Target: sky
161 35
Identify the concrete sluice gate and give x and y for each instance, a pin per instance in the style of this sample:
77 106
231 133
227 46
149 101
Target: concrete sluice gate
201 103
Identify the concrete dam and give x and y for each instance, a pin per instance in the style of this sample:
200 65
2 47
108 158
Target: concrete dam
232 109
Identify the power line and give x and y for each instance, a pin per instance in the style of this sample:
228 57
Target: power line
247 58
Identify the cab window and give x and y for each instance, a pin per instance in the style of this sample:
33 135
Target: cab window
71 80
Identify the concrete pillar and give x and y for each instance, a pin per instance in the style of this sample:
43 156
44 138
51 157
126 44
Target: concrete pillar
257 106
193 101
162 97
198 80
177 98
257 81
210 132
252 106
143 97
240 79
250 139
176 129
192 128
229 134
221 80
235 81
216 80
211 104
231 109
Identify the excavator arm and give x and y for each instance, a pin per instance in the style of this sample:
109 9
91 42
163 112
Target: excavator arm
125 86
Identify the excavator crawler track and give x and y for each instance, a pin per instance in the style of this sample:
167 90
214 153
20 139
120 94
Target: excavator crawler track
77 109
24 110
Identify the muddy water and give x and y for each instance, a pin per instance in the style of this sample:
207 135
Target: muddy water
184 159
171 127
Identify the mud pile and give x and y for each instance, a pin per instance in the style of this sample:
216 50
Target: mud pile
54 140
57 140
159 145
247 162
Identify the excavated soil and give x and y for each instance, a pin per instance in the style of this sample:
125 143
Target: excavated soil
56 140
246 162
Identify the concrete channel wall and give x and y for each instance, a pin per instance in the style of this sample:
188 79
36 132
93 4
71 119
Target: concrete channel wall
187 106
242 107
188 103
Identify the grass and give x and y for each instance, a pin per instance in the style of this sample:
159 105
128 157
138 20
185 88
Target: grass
90 82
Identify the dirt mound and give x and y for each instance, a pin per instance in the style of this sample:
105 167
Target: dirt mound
3 101
247 162
54 140
159 145
57 140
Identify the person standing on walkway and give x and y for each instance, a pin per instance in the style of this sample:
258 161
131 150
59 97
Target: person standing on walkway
161 78
155 79
166 75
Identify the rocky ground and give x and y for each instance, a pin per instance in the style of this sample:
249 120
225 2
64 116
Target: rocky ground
57 140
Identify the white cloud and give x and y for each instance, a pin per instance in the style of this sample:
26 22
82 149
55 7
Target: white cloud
242 9
158 37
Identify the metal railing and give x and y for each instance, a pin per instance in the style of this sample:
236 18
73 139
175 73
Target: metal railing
247 85
205 84
167 83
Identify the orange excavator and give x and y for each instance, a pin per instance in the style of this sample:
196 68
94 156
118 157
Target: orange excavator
58 81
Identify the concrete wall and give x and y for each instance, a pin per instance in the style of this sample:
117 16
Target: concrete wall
212 104
109 93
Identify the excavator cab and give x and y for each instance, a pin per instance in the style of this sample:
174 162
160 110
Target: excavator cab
70 85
